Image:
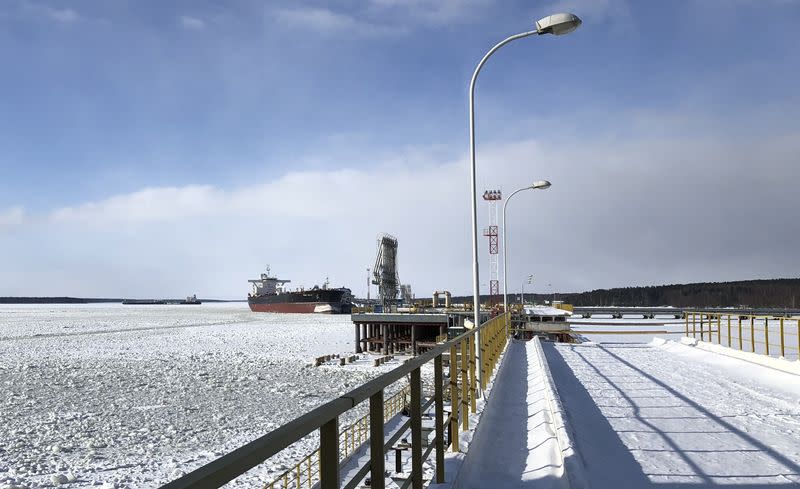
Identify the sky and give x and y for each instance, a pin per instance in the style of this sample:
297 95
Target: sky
152 149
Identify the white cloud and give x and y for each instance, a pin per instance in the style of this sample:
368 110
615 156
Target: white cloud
651 206
192 23
326 21
12 216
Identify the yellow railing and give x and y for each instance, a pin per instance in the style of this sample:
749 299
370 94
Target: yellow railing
768 335
463 380
305 473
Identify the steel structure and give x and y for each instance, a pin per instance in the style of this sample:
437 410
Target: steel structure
492 232
384 273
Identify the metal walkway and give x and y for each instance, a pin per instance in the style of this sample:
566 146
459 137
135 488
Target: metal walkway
514 444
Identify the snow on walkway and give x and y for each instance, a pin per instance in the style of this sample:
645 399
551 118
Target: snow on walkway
514 444
673 416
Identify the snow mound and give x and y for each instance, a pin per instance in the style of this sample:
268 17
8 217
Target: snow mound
689 341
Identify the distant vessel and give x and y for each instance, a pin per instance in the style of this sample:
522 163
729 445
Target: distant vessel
270 295
191 300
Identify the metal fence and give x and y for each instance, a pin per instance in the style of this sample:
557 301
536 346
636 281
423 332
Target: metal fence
305 473
768 335
489 339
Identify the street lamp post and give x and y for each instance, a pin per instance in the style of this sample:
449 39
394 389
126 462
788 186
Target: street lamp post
557 24
540 184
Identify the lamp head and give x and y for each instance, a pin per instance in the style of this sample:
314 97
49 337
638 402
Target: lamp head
541 184
558 24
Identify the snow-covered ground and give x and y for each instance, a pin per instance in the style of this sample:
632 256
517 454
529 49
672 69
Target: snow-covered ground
134 396
670 415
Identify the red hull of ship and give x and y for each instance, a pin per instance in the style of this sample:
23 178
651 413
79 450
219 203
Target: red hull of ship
308 307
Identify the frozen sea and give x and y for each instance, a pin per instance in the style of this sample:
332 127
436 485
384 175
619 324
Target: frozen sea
134 396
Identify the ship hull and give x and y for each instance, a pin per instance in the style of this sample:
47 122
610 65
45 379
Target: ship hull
319 301
301 307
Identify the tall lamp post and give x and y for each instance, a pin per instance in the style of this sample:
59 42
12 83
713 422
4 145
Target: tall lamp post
540 184
557 24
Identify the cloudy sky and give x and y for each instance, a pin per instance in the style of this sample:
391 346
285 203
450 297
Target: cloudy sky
170 148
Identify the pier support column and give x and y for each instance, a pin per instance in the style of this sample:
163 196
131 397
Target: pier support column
385 338
413 339
358 338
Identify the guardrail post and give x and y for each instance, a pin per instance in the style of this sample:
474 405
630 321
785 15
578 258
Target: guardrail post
783 347
454 405
439 426
694 325
464 386
702 336
416 429
473 390
766 334
741 348
329 454
686 317
752 334
376 441
729 330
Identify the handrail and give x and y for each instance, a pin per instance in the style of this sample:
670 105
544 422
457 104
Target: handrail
747 329
325 417
358 430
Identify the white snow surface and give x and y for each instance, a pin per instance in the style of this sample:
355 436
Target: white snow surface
135 396
515 443
668 415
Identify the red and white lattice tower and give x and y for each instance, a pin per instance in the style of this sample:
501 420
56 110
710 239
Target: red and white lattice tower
492 197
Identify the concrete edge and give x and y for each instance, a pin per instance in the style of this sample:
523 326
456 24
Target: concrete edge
565 436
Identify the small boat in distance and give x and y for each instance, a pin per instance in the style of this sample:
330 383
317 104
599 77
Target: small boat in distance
191 300
269 294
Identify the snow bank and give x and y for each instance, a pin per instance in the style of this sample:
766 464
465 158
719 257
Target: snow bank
782 364
573 465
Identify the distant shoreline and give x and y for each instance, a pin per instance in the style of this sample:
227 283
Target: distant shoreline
80 300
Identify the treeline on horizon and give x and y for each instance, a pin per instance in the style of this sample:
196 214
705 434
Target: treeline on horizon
80 300
780 292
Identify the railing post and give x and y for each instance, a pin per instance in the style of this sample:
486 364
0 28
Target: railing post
329 454
694 325
752 334
766 334
416 429
439 407
702 337
729 330
686 318
473 385
376 440
783 346
741 346
454 405
464 386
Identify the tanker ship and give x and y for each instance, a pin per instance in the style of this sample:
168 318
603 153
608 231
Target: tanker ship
270 294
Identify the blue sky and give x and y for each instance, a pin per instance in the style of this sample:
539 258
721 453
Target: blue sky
104 100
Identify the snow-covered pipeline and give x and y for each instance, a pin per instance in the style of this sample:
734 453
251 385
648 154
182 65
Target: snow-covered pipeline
572 463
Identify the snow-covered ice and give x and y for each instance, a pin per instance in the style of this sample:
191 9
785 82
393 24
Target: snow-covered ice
134 396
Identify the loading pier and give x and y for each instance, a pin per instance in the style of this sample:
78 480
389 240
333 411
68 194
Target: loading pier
390 333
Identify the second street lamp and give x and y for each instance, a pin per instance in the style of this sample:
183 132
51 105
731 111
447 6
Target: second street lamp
556 24
540 184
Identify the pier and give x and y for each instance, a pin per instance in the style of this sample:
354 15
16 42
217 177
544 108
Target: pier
390 333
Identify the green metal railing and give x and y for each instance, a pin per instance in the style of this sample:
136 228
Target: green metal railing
489 339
